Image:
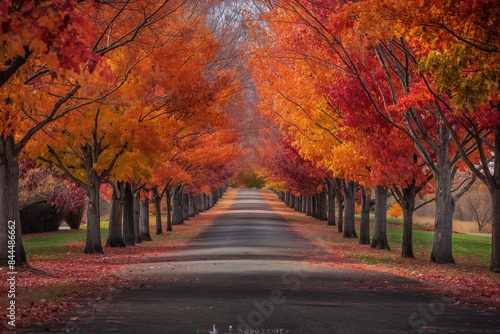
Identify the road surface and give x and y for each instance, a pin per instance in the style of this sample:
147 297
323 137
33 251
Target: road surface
250 273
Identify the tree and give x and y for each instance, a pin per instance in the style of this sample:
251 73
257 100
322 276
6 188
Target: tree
286 170
459 51
153 114
366 205
115 238
55 41
47 59
328 120
330 25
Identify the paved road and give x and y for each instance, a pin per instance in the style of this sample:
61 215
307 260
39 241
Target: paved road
249 274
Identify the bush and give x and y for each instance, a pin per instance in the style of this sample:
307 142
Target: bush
47 197
39 217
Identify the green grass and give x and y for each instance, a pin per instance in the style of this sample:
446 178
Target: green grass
468 250
472 246
53 245
476 250
398 221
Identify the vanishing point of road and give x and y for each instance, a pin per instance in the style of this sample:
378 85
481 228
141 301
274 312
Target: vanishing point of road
250 273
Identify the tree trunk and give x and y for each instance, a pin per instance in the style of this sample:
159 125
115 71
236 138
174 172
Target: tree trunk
192 206
210 200
494 188
115 220
366 205
380 228
185 207
316 206
13 253
197 205
93 241
158 215
176 208
408 205
445 203
495 235
303 206
157 203
349 194
340 202
128 215
309 210
322 214
206 198
137 216
144 220
331 202
168 198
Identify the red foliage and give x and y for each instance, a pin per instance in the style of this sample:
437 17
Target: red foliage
284 164
53 27
50 185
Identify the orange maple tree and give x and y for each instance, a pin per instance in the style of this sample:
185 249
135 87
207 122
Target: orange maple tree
38 39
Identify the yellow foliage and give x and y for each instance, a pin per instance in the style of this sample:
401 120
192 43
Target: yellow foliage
395 211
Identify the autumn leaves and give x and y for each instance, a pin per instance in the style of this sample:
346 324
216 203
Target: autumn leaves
399 95
110 92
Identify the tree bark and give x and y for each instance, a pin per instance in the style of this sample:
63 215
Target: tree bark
494 188
192 206
168 199
197 205
315 206
309 209
331 202
157 203
445 203
9 205
366 205
206 198
137 216
144 220
322 214
210 201
303 203
115 220
340 202
93 241
176 207
495 235
379 240
407 203
349 194
185 207
128 215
